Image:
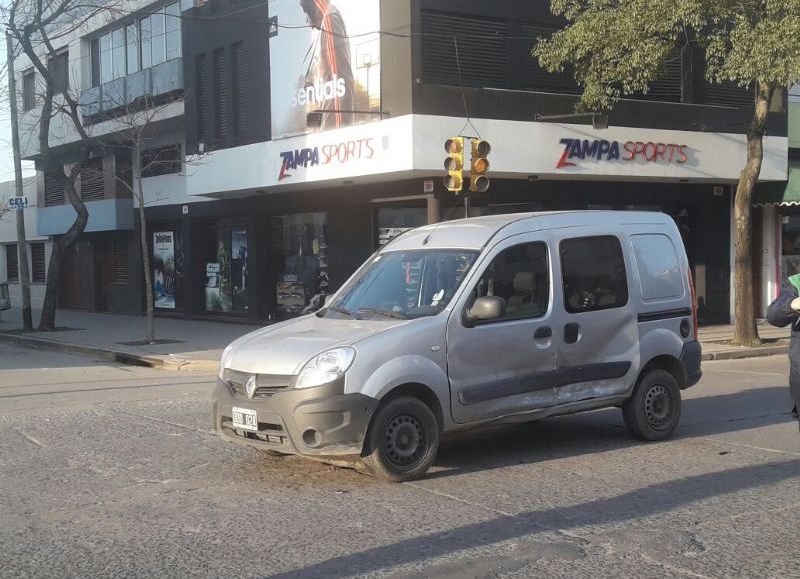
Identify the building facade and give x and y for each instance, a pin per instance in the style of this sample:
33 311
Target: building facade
39 247
309 137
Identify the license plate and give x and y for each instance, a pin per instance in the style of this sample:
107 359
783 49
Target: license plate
245 418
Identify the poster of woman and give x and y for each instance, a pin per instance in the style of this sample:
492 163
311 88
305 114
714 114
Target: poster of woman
164 269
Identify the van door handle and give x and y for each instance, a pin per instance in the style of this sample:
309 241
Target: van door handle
543 333
572 333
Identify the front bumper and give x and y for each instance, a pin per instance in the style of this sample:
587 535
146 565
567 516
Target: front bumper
319 421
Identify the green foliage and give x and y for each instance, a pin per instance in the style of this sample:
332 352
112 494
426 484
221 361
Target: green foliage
618 47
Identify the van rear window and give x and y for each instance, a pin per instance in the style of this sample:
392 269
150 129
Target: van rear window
658 266
593 270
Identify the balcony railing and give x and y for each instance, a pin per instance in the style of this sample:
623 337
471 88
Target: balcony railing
143 88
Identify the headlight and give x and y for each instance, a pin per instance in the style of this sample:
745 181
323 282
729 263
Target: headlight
326 367
223 361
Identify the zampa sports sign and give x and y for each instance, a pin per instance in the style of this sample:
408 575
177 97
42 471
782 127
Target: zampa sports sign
601 150
324 59
333 153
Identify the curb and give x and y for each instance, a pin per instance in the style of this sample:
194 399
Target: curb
110 354
740 354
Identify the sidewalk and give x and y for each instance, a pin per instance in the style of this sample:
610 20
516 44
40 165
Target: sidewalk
198 345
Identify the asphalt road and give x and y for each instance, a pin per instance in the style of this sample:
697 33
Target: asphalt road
110 470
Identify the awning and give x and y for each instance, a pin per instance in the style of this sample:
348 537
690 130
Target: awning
780 193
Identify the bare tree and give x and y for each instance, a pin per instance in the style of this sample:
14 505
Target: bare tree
133 132
35 25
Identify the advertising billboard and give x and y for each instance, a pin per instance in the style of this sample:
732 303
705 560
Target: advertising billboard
324 59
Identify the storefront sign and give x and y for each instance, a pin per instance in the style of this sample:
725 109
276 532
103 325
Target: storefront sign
164 269
325 57
603 150
333 153
17 203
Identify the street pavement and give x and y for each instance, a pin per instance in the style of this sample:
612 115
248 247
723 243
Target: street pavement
111 471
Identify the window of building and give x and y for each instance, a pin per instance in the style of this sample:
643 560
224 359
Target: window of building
53 191
201 82
237 85
137 45
93 180
593 269
520 275
300 248
227 271
161 161
132 48
482 50
38 269
118 66
119 261
59 69
146 39
12 264
28 90
158 40
392 221
173 30
221 96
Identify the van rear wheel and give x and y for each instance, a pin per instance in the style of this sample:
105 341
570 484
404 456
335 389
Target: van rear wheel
654 410
403 440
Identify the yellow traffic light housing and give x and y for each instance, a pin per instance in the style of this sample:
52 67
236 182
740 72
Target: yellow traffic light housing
479 181
454 164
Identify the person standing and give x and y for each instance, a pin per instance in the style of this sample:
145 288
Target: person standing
785 310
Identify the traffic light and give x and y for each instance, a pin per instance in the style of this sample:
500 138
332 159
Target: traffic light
454 164
478 181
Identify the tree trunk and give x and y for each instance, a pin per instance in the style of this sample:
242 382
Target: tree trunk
745 331
62 244
148 272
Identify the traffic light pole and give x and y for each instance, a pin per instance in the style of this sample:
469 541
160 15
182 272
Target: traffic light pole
466 206
22 244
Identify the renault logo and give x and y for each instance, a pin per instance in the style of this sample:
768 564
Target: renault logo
250 386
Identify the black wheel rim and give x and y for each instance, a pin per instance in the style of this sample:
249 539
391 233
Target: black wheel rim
658 407
404 441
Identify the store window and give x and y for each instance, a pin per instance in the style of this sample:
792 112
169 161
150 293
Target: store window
790 247
301 248
227 273
392 221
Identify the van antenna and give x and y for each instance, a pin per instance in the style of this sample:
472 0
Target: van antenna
435 227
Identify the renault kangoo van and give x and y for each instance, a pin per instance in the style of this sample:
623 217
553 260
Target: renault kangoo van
469 322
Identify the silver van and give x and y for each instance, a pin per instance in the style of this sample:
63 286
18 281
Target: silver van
454 325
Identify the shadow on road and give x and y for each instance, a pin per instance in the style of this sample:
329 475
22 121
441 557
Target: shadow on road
651 500
551 439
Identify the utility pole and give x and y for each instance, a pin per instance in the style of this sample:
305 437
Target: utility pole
22 243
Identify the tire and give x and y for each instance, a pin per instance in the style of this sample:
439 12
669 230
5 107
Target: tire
402 441
654 409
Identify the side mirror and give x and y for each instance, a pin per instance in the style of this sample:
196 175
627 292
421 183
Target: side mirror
485 309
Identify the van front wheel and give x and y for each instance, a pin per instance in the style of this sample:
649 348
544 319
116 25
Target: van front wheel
402 441
653 412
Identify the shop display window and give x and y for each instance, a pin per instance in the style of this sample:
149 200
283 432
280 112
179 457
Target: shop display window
301 249
392 221
227 273
790 247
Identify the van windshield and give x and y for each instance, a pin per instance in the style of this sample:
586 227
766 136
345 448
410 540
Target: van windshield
403 285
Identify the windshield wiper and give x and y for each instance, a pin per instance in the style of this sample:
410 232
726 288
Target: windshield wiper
385 313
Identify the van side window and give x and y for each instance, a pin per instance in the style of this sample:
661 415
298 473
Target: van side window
657 263
593 269
520 275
